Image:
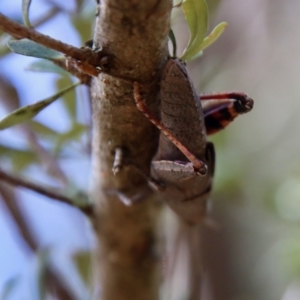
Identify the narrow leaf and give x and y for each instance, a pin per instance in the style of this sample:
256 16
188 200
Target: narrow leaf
79 4
21 163
9 287
19 158
26 113
46 66
4 38
196 14
30 48
42 259
25 12
74 134
79 197
214 35
82 24
69 99
83 261
43 130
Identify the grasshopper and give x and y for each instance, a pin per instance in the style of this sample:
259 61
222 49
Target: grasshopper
185 161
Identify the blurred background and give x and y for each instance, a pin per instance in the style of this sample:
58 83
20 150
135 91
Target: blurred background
254 250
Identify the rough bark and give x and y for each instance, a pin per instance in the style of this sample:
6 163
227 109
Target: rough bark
135 34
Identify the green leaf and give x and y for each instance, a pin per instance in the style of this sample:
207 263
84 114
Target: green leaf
69 99
214 35
19 158
43 259
83 262
196 14
25 12
79 5
39 284
82 23
30 48
46 66
26 113
9 287
42 129
75 133
4 38
79 197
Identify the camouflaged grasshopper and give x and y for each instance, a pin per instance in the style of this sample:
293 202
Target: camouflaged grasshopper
185 161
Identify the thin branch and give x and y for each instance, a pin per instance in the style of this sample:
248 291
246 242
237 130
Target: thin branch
73 70
46 191
19 31
56 286
9 199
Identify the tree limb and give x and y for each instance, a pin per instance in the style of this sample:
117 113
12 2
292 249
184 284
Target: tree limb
135 34
46 191
19 31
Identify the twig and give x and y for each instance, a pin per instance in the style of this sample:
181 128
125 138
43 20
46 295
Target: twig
10 201
55 285
46 191
73 70
19 31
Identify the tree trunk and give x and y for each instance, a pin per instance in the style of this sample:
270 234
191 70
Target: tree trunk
127 257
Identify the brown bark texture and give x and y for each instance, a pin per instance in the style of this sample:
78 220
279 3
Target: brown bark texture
135 35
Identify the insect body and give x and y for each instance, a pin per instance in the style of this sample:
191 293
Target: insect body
182 114
185 160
